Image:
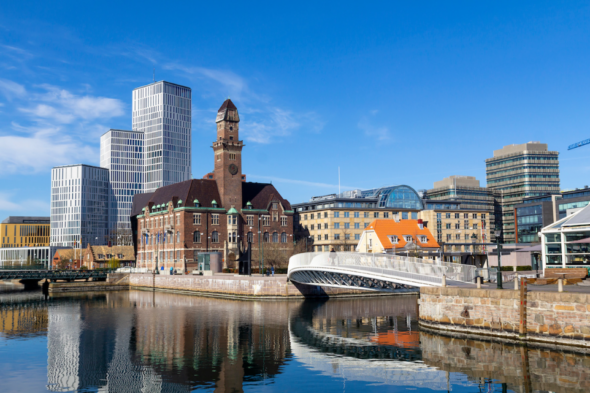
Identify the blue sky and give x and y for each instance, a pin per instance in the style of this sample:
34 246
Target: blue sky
390 92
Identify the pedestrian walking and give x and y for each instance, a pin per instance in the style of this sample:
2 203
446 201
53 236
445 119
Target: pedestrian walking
272 270
332 256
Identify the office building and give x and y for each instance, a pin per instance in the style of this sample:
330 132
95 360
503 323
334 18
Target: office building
121 152
566 243
338 220
467 191
516 172
162 111
25 232
219 213
79 205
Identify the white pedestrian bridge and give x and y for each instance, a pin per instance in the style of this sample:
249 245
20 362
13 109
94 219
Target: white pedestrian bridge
374 272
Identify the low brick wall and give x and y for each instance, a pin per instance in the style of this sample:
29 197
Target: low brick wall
245 287
551 317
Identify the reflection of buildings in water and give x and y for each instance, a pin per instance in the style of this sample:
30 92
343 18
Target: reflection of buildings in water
521 368
199 340
23 316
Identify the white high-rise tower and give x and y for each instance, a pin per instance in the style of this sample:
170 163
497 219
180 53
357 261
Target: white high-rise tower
162 111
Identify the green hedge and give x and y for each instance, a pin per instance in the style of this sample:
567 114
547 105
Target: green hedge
518 268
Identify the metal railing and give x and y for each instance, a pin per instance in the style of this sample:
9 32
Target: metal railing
385 264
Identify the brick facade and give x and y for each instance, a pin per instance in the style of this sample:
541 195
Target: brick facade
219 213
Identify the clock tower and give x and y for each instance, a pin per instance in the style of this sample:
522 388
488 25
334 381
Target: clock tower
228 156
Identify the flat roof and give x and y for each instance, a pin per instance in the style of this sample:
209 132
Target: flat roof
162 81
90 166
116 129
25 220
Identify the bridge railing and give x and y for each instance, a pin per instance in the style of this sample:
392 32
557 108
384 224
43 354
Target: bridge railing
417 268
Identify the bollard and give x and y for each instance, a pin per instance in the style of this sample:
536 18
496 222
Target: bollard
516 283
444 280
560 285
478 282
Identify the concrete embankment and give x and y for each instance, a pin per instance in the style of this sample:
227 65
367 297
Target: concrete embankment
244 287
549 319
114 282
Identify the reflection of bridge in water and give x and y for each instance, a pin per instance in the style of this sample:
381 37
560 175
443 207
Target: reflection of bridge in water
374 272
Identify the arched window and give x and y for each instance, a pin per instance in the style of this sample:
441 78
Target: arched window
265 238
215 237
283 237
275 237
197 237
178 237
250 237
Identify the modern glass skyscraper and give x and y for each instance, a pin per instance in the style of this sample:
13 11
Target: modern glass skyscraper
162 111
79 205
121 152
516 172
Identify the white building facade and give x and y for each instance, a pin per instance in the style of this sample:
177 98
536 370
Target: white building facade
79 205
162 111
121 152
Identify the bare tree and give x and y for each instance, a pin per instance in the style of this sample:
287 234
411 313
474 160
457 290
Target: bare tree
345 241
277 254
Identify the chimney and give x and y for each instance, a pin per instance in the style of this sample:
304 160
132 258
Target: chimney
420 223
396 217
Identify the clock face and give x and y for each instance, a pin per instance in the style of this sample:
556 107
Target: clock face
233 169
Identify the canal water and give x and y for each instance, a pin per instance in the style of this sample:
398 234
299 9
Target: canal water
138 341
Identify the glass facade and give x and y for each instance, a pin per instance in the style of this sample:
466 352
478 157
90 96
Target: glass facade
162 111
529 223
121 152
563 207
79 205
400 197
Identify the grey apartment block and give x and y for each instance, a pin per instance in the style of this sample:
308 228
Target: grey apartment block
516 172
121 152
79 205
162 111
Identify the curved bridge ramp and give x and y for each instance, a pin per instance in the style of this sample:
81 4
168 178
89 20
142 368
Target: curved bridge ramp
373 272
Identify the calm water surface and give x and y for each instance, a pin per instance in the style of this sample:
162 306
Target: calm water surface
156 342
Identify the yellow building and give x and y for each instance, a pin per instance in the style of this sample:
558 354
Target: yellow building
25 232
338 220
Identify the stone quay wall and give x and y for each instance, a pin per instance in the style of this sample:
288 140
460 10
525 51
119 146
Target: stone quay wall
550 318
245 287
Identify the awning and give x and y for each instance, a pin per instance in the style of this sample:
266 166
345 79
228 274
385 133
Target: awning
537 248
587 240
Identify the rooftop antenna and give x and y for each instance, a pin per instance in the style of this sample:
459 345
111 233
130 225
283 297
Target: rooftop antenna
154 75
339 181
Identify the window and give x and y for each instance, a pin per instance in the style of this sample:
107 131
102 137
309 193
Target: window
326 225
466 224
266 221
457 226
466 215
366 224
215 237
356 214
214 219
346 214
474 226
283 221
229 220
346 225
347 236
458 236
275 216
483 216
250 220
448 225
474 215
404 215
326 248
393 239
275 206
438 216
336 214
234 237
250 237
312 226
375 214
311 216
385 214
100 256
357 225
319 237
448 215
448 237
275 237
336 225
337 236
178 237
326 237
283 237
366 215
408 238
357 237
423 239
456 215
305 216
414 216
466 236
266 237
178 219
197 219
197 237
232 156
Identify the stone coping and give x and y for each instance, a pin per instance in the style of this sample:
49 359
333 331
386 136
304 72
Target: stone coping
557 297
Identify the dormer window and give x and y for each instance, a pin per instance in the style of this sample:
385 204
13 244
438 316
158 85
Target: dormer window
423 239
196 202
249 205
407 238
214 203
120 256
393 239
179 203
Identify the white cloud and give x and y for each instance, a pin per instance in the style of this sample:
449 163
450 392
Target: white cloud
27 205
233 85
381 133
64 107
11 89
41 151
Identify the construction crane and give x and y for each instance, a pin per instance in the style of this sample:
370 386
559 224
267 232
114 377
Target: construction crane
579 144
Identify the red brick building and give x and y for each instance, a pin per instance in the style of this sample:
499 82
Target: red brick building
217 213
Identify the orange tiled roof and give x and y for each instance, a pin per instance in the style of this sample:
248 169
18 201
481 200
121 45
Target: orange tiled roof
385 228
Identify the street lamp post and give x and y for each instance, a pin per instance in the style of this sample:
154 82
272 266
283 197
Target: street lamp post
499 249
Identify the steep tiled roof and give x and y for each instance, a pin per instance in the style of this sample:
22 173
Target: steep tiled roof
127 251
227 104
261 195
69 253
385 228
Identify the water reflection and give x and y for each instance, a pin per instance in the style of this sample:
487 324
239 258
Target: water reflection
157 342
